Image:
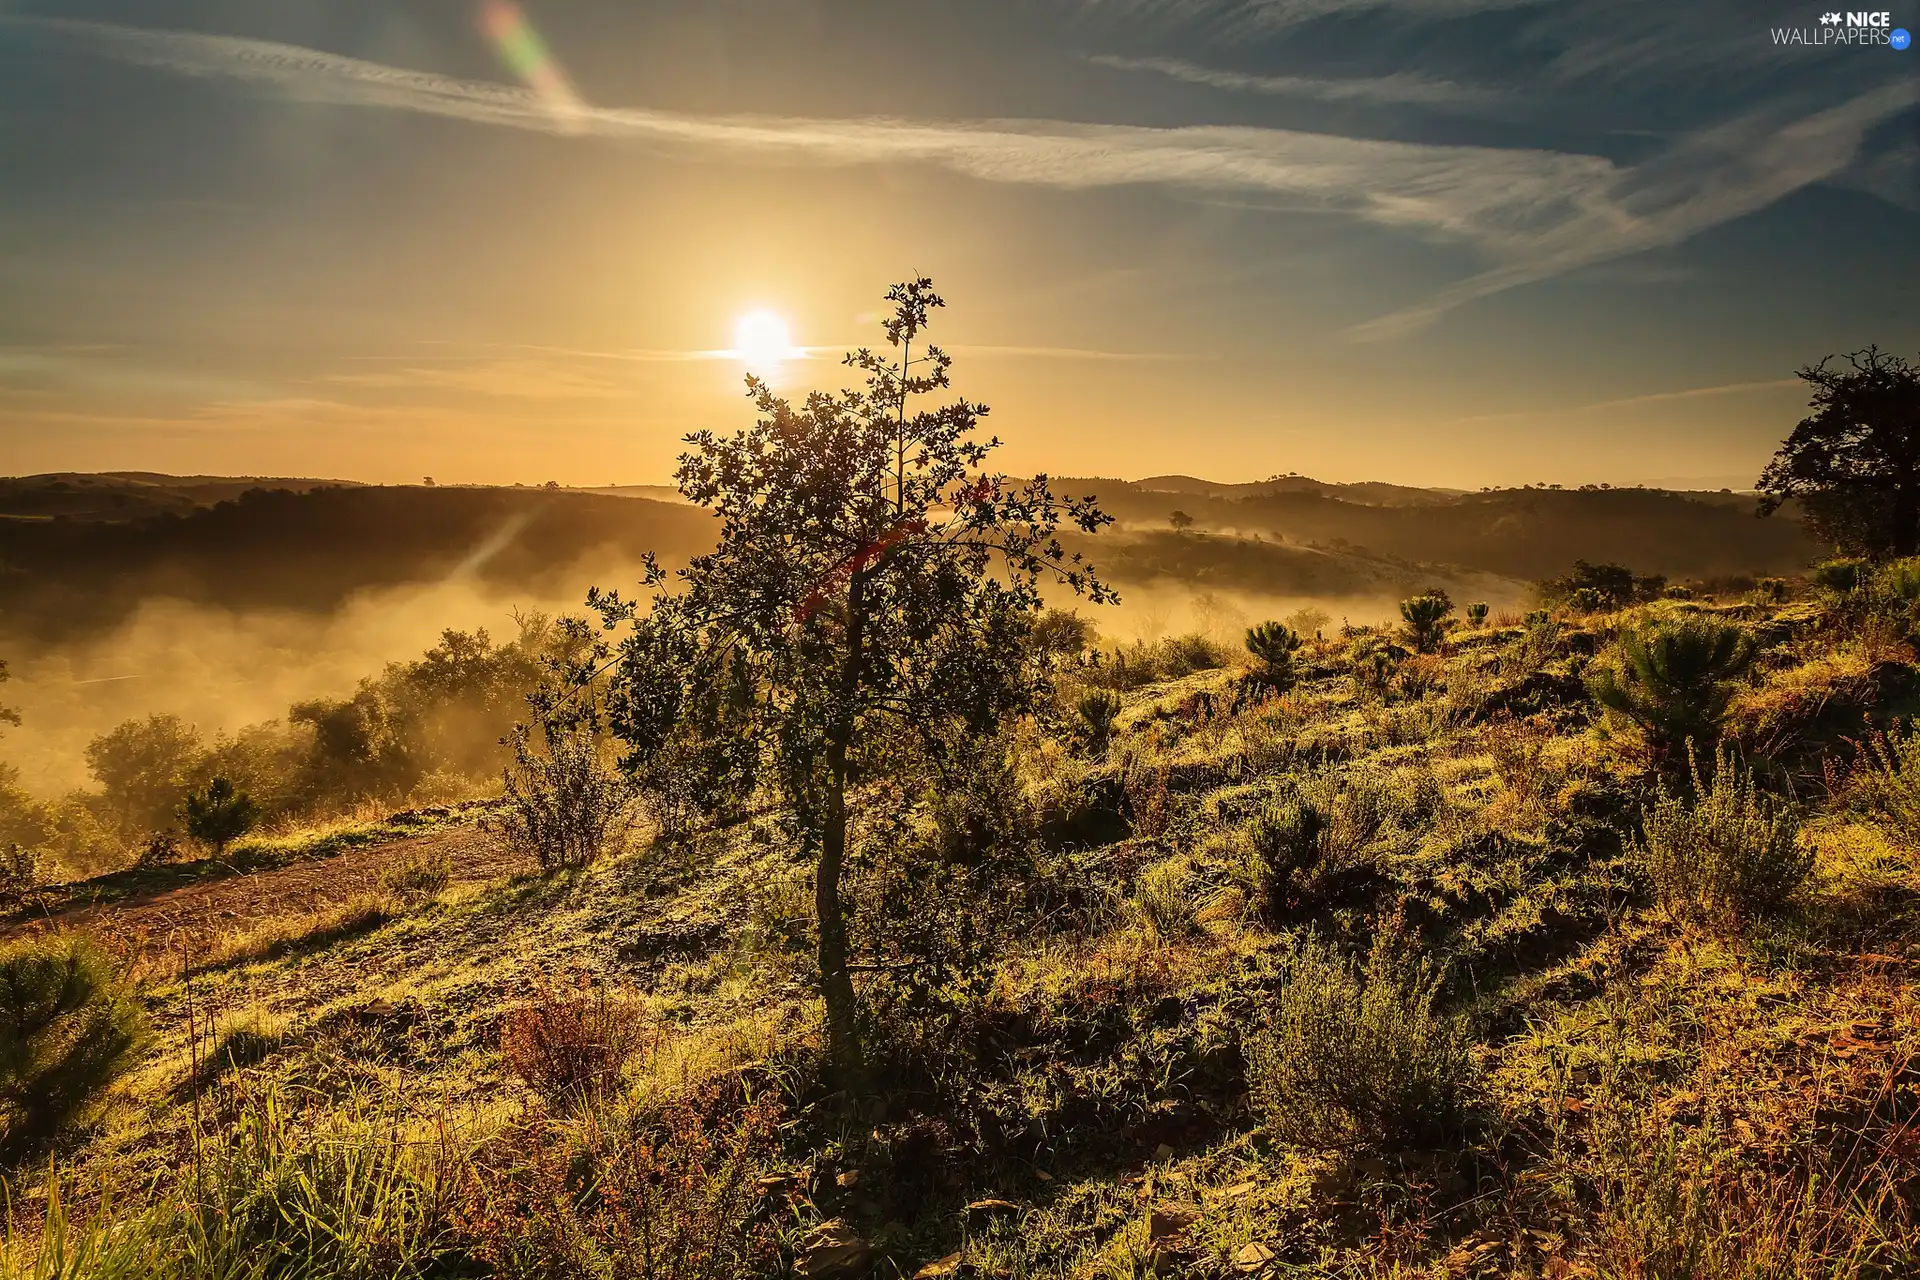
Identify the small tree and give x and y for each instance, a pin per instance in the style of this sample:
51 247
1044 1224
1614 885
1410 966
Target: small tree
1180 521
1426 618
68 1029
1853 463
1477 614
872 586
1274 646
220 815
8 715
1674 680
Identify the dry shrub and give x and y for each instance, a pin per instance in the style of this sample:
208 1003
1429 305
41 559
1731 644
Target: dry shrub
653 1193
570 1046
1519 749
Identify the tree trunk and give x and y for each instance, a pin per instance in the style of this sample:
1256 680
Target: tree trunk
836 982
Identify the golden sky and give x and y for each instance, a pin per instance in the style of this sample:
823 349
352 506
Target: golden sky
1426 241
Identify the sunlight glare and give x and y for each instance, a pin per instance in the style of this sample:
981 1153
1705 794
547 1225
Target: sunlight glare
762 341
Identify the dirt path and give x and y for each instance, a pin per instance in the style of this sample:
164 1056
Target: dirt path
190 918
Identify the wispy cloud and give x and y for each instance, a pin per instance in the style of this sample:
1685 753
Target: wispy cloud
1533 214
1404 87
1632 402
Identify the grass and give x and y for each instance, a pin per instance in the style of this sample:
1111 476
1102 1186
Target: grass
1125 1023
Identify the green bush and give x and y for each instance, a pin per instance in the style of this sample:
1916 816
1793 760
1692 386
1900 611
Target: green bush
1098 710
1355 1056
1729 856
19 874
220 815
1426 619
1674 680
1477 614
1285 840
1273 645
1839 575
68 1029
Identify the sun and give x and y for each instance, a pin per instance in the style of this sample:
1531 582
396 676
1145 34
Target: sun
761 339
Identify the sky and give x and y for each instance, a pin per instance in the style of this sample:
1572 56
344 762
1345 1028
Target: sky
1443 242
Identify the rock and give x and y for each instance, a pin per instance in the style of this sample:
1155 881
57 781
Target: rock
1252 1257
1163 1154
982 1212
833 1251
775 1184
947 1268
847 1180
1165 1221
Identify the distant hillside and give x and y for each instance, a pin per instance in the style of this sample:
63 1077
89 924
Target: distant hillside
1525 533
277 548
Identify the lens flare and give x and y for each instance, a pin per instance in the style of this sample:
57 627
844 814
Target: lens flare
526 55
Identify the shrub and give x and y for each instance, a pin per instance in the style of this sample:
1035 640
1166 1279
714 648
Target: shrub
1098 710
1273 646
1477 614
564 806
1885 779
1839 575
421 875
68 1029
1374 663
19 874
647 1193
570 1048
1674 680
1899 580
1354 1055
1731 855
1426 619
220 815
1286 842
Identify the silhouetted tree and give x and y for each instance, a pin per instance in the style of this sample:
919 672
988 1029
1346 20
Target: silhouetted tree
873 585
1853 463
8 715
1180 521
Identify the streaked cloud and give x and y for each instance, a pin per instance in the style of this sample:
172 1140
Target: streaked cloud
1406 88
1531 214
1634 402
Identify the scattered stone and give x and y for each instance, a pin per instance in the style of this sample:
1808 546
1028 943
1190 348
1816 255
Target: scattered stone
1252 1257
947 1268
775 1184
1238 1190
1043 1175
982 1212
1166 1221
847 1180
1163 1154
833 1251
